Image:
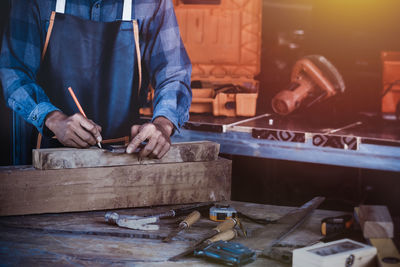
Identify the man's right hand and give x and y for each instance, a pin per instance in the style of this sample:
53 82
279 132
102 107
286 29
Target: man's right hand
73 131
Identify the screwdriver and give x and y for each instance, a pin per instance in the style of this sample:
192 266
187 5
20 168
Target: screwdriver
185 224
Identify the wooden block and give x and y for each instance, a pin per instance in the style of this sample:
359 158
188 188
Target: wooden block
25 190
376 221
388 255
69 158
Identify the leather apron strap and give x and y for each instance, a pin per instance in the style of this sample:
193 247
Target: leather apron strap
126 16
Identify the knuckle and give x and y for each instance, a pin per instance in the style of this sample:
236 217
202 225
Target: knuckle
151 126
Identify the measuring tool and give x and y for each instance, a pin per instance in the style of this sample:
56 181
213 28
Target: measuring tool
337 224
220 213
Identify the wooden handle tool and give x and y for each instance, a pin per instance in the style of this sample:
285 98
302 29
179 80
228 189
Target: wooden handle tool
193 217
225 225
224 231
223 236
226 235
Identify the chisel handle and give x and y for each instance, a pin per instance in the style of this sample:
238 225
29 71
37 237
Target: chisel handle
226 225
193 217
223 236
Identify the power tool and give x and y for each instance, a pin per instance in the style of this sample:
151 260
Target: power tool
313 80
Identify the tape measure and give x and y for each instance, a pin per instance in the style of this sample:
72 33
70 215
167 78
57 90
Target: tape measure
220 213
338 224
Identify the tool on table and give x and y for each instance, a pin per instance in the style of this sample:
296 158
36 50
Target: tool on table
230 253
222 212
185 224
182 211
79 107
290 222
344 252
223 236
337 224
314 79
132 222
217 233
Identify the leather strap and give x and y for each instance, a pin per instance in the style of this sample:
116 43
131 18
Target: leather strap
139 57
49 30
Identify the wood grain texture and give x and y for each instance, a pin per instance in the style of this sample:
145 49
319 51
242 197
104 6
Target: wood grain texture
376 221
85 239
69 158
386 249
25 190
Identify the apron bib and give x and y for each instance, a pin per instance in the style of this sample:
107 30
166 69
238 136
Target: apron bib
101 62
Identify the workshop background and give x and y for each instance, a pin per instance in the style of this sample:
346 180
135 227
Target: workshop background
351 34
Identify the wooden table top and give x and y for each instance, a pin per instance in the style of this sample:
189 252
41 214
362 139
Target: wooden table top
84 239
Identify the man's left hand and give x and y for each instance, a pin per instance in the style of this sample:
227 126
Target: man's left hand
158 135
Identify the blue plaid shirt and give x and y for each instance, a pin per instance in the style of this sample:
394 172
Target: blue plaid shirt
164 57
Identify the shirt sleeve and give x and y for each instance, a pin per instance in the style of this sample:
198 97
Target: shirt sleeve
20 61
168 65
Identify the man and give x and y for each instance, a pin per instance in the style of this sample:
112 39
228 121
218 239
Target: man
107 51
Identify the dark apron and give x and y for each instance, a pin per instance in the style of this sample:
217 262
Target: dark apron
99 60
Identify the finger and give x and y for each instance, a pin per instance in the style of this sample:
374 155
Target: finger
81 143
160 145
84 135
140 135
71 143
91 127
164 150
151 145
97 126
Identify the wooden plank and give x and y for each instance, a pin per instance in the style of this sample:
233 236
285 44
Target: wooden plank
376 221
67 158
387 252
26 190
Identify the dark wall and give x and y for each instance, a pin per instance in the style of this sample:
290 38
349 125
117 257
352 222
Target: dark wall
5 114
351 34
289 183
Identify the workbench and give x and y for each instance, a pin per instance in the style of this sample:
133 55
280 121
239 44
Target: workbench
86 239
360 140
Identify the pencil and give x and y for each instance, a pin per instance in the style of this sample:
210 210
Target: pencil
79 107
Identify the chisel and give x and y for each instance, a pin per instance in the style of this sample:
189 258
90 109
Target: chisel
223 236
185 224
217 233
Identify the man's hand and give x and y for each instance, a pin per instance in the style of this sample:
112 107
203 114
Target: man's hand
74 131
158 135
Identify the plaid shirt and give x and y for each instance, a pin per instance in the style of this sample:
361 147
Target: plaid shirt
165 61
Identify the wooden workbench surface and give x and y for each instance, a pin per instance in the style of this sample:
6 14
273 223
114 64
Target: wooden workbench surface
84 239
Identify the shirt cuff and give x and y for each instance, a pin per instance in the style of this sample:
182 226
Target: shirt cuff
38 115
171 116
